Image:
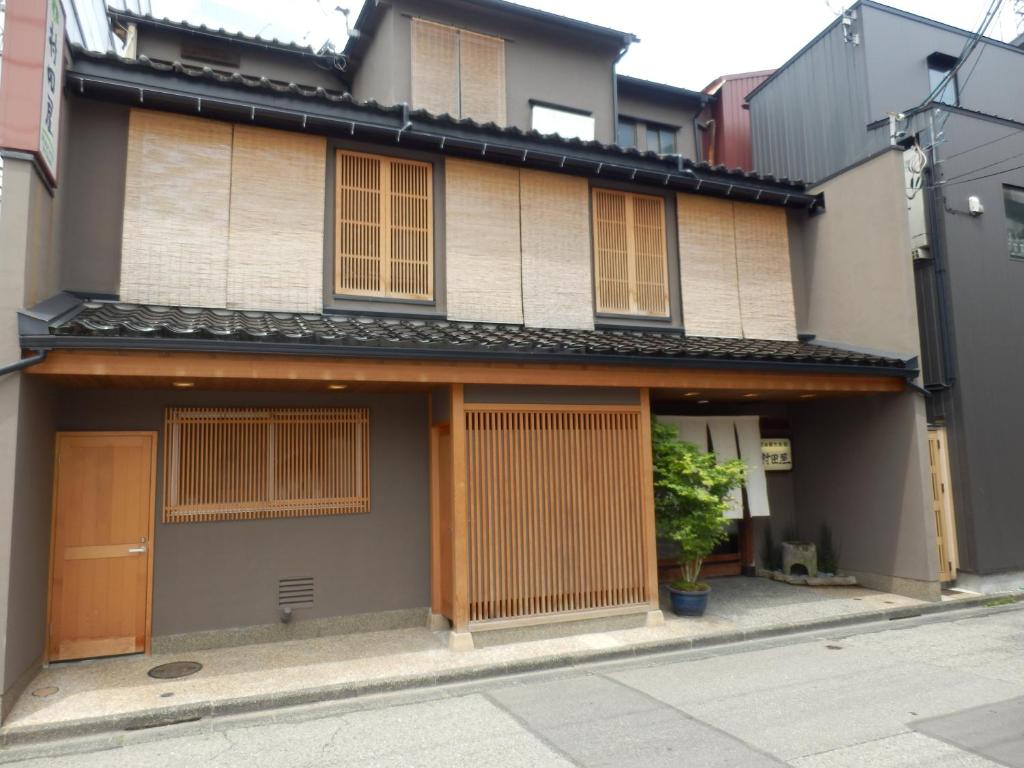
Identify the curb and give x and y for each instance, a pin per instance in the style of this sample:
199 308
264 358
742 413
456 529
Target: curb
184 713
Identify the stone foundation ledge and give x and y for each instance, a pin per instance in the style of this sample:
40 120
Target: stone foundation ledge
821 580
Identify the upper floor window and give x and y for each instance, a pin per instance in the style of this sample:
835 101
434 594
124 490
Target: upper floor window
384 240
458 72
625 135
630 254
1013 203
940 66
567 123
661 139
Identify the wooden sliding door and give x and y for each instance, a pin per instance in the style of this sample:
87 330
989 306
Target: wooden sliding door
557 510
101 546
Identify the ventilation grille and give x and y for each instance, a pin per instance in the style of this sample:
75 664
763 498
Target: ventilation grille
295 593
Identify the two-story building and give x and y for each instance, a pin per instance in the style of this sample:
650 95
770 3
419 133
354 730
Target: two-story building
879 80
309 342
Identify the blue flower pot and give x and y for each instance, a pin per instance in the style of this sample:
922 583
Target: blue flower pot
689 603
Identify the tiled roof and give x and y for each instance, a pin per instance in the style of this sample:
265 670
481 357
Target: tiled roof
238 37
251 83
361 335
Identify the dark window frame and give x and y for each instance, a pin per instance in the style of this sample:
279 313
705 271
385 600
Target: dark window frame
1014 243
939 66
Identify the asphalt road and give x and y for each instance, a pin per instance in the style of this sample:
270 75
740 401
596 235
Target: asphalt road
937 692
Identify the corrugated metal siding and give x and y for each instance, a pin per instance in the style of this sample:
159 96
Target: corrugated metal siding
732 122
809 122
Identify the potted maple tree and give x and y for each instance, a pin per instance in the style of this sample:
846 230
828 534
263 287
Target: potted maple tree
691 497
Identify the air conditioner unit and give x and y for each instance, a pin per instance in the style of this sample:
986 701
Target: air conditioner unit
920 253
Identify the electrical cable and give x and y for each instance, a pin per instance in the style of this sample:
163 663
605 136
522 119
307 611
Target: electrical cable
941 184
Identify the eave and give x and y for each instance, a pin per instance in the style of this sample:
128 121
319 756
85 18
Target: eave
287 105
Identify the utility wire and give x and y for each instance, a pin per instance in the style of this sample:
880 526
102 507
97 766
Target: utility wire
969 47
983 167
1011 134
976 178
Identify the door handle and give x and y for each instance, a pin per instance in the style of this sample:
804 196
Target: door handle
135 550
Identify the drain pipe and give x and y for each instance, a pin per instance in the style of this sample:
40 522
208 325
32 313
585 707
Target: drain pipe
25 362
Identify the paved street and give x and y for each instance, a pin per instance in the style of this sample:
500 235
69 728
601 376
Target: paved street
935 692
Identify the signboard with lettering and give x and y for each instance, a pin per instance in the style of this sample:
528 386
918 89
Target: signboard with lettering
776 453
52 82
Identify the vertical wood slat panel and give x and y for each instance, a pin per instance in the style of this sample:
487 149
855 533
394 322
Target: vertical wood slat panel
258 463
557 510
630 253
384 226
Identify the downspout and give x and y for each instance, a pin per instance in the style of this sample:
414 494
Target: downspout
937 243
25 362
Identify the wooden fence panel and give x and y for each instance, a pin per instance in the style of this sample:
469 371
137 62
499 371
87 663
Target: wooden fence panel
556 499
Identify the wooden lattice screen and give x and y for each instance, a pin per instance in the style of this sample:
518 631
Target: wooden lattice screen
257 463
556 510
630 261
384 243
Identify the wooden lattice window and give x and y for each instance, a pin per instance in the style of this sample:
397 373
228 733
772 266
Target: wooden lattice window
257 463
384 232
630 259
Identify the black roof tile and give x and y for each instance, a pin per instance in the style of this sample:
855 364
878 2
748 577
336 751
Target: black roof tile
613 151
350 334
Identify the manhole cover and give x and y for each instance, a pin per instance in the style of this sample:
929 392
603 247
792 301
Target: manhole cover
175 670
42 693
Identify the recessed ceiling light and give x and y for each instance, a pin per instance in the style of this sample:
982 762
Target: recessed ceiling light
808 396
703 402
751 394
337 385
183 384
691 394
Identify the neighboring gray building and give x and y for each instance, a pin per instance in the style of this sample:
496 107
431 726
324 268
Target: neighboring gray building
872 81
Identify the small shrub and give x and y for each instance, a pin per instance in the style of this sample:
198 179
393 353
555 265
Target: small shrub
828 553
691 496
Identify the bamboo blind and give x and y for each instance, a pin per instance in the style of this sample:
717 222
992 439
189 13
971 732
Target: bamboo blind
384 231
707 248
555 237
435 67
258 463
556 500
765 278
177 192
482 77
630 259
276 233
482 242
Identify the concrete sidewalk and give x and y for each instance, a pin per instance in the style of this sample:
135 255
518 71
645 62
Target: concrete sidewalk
116 694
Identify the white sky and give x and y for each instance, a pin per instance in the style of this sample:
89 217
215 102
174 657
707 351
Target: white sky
682 42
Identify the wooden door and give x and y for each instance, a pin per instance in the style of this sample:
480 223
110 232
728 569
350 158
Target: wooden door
942 505
101 546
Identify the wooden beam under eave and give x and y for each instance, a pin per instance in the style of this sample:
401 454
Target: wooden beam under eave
160 367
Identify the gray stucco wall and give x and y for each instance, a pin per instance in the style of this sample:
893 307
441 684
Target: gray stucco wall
223 575
863 468
165 45
28 274
662 110
557 66
985 285
94 178
853 279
